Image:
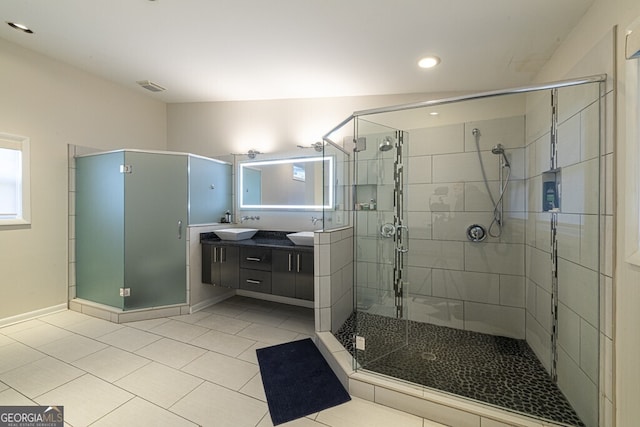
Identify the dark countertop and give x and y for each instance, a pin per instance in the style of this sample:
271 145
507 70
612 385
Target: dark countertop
269 239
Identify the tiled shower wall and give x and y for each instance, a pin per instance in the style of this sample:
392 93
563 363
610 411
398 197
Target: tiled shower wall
454 282
583 168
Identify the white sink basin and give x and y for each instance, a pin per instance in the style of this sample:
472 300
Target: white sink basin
235 233
303 238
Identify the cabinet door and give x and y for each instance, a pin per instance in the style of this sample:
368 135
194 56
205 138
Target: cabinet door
282 273
229 260
304 275
207 261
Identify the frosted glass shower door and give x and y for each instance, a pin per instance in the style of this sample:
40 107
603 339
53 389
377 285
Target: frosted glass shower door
381 242
100 228
155 227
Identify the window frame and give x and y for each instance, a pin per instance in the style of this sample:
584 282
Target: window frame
23 145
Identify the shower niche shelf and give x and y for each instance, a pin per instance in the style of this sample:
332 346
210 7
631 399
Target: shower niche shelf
366 197
551 190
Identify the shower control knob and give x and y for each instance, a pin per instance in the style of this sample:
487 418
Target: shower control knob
476 233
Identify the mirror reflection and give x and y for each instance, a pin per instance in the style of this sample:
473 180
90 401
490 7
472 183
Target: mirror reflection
294 183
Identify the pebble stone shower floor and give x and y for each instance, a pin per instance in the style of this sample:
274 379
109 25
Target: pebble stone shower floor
497 370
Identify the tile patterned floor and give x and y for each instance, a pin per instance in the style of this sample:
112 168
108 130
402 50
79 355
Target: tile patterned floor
198 369
497 370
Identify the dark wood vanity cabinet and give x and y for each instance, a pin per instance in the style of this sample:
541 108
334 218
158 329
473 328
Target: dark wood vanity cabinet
220 265
292 274
284 272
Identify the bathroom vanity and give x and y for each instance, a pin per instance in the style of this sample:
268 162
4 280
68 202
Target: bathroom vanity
267 263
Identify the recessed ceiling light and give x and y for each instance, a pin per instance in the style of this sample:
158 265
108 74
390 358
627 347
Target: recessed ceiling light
428 62
433 113
20 27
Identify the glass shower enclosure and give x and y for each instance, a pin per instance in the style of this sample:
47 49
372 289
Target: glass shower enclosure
382 239
132 211
476 247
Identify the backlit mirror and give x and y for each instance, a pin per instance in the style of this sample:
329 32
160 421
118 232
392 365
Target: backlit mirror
294 183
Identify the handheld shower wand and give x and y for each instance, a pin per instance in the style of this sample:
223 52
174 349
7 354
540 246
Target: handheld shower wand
499 149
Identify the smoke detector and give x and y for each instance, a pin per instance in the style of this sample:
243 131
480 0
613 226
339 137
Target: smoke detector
149 85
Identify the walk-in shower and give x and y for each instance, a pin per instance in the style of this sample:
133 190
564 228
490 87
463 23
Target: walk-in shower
510 320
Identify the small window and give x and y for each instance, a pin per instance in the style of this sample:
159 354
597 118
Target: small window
14 180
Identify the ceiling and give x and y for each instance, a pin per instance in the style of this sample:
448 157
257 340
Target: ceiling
223 50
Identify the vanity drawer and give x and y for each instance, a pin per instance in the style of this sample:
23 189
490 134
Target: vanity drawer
255 258
255 280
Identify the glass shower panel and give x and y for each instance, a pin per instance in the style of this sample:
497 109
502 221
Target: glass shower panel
209 190
100 228
381 238
577 228
335 185
155 226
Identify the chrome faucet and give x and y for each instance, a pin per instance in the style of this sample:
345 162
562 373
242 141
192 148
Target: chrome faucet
314 220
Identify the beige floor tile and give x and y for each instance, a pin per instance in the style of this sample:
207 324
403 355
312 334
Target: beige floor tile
179 331
191 318
11 397
40 376
171 352
129 339
4 340
40 335
159 384
268 334
111 364
300 422
362 413
255 388
222 370
231 345
85 399
93 327
21 326
17 354
296 324
146 325
72 348
212 405
140 413
271 318
249 355
223 323
63 319
225 309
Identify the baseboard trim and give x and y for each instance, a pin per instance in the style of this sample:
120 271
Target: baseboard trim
211 301
32 314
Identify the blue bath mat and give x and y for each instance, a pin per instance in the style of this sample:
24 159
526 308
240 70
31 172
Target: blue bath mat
298 381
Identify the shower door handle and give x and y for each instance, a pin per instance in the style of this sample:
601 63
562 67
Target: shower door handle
403 249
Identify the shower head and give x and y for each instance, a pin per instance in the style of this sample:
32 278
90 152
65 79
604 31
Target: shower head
386 144
499 149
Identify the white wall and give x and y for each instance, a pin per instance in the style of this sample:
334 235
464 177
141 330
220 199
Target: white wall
217 129
56 105
601 18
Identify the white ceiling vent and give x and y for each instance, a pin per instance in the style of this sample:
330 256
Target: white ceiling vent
149 85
